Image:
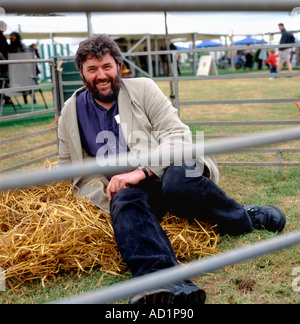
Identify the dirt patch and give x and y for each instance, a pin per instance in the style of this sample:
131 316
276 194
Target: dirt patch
245 284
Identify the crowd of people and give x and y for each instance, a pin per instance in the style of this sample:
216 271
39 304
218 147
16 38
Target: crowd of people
274 61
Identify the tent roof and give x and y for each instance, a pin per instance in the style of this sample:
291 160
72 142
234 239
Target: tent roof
247 40
131 26
179 37
208 43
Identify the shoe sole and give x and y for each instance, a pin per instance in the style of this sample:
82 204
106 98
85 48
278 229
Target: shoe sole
166 297
158 297
283 219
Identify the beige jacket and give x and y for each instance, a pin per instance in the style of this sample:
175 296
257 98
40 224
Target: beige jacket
143 109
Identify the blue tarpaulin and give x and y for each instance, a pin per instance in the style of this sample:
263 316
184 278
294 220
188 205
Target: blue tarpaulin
248 40
208 43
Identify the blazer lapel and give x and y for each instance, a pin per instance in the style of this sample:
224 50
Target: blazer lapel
125 112
72 124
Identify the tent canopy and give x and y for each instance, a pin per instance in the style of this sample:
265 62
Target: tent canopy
248 40
208 43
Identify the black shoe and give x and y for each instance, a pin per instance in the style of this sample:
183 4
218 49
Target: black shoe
185 293
266 217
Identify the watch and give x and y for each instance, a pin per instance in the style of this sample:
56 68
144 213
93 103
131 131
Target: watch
144 170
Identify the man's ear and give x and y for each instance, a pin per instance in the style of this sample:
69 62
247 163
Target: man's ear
81 74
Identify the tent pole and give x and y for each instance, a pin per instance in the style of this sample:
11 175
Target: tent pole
89 23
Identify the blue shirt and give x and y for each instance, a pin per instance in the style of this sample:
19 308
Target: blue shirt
100 132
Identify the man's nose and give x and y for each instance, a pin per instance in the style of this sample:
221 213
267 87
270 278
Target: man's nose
101 74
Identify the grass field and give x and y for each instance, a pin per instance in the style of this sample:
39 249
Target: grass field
267 279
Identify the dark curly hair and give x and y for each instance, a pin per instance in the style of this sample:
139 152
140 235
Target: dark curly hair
97 46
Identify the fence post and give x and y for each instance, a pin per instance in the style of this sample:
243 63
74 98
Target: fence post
56 88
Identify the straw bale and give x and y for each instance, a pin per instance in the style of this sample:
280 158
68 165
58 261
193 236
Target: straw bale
46 230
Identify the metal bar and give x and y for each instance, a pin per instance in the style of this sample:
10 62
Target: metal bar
150 67
233 123
213 49
22 165
221 136
60 84
136 67
4 62
31 149
21 137
234 144
21 6
286 164
65 83
196 50
201 78
268 150
27 88
176 87
90 167
238 76
164 277
137 44
24 115
238 101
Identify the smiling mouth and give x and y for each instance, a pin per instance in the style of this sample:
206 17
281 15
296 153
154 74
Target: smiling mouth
102 83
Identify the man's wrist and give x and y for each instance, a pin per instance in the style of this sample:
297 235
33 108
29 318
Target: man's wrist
145 171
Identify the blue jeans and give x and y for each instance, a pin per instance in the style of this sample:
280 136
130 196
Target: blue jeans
136 213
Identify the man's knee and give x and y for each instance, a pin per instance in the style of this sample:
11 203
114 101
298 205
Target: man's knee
125 199
179 178
172 179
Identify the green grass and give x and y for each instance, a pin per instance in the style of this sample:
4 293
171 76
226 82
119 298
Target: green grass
267 279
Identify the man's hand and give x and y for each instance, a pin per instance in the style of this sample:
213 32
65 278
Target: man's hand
122 181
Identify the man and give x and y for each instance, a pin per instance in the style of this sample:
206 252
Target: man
285 53
136 200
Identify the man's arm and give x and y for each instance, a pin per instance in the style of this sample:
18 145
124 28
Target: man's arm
122 181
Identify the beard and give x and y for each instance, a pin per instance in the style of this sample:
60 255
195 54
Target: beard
98 95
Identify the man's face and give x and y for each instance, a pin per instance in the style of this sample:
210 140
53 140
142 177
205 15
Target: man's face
102 78
281 27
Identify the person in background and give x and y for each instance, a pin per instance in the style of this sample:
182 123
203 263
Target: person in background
3 42
239 60
4 56
33 48
16 46
285 53
272 61
174 48
249 58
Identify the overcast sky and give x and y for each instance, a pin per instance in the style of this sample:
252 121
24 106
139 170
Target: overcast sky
236 23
